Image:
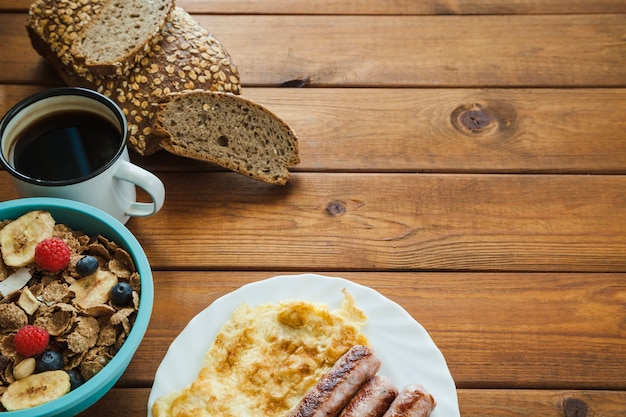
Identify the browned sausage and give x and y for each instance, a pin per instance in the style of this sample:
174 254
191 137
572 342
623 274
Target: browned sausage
412 401
373 399
336 387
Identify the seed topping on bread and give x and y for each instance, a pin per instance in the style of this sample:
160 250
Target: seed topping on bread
120 34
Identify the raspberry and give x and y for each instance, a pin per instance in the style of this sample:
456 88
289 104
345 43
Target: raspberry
52 254
31 340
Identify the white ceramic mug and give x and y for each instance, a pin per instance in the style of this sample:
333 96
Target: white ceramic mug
106 181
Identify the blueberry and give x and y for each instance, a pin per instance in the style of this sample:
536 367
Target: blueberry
50 360
87 265
76 379
121 294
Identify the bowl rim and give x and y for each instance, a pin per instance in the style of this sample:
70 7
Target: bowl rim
100 383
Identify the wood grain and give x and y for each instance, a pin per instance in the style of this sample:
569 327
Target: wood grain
428 51
473 403
584 50
548 403
421 130
382 7
20 62
394 221
403 7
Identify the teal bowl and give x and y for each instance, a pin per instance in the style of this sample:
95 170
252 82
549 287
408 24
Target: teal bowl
92 221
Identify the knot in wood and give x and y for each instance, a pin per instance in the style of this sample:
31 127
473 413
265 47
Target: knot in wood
336 208
475 120
491 118
574 407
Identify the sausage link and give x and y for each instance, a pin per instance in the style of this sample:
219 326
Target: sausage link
412 401
373 399
337 386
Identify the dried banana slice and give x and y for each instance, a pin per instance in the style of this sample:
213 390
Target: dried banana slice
36 389
94 289
19 238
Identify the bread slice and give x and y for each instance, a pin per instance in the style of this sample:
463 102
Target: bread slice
121 34
188 57
229 131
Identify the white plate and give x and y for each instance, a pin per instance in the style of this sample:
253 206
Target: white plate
407 352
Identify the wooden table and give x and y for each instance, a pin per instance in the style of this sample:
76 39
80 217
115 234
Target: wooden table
466 158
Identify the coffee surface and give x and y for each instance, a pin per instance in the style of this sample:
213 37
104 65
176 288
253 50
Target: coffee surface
65 146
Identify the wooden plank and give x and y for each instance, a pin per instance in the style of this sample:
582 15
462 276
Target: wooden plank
382 7
130 402
409 130
468 222
391 222
519 330
429 51
472 403
20 62
530 130
549 403
11 94
218 221
402 7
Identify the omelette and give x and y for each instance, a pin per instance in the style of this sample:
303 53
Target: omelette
265 358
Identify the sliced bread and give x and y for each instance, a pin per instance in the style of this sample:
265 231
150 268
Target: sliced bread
121 34
229 131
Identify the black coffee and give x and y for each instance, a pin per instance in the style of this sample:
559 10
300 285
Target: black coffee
65 146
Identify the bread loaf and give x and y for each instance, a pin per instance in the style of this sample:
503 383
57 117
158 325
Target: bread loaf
182 65
186 57
230 131
120 35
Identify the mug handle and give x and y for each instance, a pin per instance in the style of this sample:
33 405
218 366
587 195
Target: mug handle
149 182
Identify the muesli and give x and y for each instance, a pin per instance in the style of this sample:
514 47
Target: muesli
67 303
